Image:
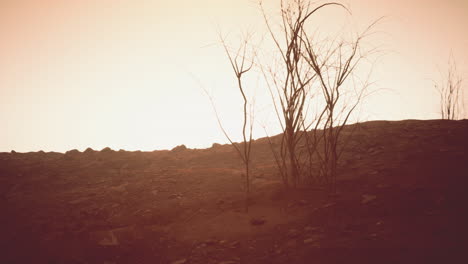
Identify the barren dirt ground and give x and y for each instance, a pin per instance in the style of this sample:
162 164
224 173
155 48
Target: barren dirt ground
402 198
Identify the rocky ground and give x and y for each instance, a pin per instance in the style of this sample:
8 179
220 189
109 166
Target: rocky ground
402 198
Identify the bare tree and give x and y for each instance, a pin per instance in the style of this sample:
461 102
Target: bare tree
240 65
309 68
290 87
333 66
450 91
308 74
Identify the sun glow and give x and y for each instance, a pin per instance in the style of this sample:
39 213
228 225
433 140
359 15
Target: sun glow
127 74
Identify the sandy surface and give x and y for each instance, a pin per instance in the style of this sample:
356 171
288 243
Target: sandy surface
402 198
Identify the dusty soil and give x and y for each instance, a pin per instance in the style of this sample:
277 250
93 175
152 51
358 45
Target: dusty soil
402 198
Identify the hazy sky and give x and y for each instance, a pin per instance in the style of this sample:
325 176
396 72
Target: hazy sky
127 74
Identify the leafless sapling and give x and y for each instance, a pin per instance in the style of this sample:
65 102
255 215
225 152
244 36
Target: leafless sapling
450 91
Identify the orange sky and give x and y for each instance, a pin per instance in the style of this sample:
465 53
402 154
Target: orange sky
78 74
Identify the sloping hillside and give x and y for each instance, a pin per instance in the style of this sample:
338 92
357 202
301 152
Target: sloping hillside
402 198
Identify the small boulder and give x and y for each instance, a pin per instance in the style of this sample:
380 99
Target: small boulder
312 239
180 261
88 151
72 153
293 233
257 221
366 198
107 238
210 242
235 244
310 229
179 148
107 150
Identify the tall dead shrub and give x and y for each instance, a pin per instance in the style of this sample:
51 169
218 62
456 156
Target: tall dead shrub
317 74
450 92
240 65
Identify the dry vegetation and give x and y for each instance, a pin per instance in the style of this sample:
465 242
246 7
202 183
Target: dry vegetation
313 87
451 92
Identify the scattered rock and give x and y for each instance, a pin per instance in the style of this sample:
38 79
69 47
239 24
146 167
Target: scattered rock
311 239
440 200
328 205
293 233
383 186
366 198
202 245
291 243
310 229
215 145
174 196
235 244
107 150
375 150
179 148
107 239
431 212
89 151
353 227
79 200
70 152
210 242
180 261
257 221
